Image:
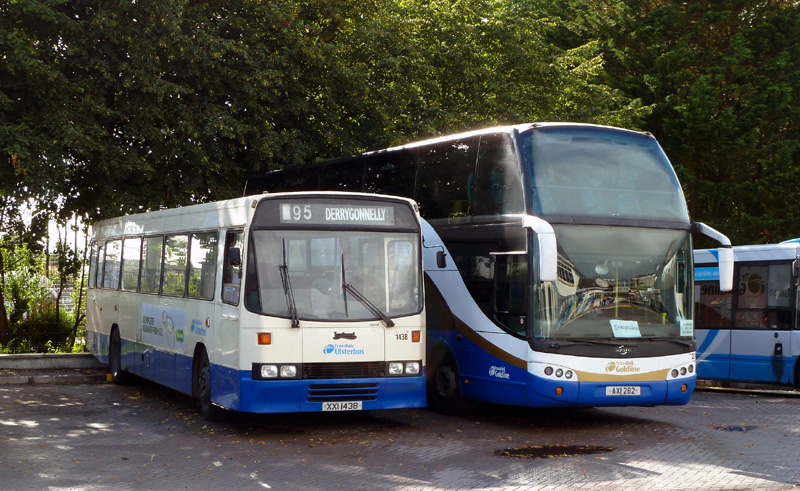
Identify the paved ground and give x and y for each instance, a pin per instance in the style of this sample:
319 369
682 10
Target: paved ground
101 436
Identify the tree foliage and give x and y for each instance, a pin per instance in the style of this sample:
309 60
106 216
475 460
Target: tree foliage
112 106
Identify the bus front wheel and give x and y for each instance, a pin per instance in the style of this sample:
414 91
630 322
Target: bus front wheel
208 409
444 391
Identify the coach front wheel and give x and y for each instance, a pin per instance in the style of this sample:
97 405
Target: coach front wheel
444 390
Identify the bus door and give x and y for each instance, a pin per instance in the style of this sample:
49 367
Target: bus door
761 340
224 328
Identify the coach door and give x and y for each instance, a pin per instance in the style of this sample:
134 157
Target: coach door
761 338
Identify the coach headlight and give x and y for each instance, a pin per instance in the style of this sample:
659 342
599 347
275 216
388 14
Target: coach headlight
412 368
269 371
288 371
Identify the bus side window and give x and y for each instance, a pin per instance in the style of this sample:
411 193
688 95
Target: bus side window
174 274
446 175
510 300
391 173
712 307
202 265
252 297
232 269
111 264
763 298
151 264
131 256
498 188
93 266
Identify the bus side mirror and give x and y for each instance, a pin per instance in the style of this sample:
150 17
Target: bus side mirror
235 256
725 254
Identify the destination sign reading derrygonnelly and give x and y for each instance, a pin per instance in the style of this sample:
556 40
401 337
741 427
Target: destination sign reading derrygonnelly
345 214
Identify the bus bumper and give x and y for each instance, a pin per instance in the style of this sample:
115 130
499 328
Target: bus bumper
289 396
551 393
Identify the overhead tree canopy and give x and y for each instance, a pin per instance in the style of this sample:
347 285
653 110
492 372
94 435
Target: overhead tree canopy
114 107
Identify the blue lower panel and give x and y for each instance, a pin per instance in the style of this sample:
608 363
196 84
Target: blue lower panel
769 369
291 396
542 393
714 367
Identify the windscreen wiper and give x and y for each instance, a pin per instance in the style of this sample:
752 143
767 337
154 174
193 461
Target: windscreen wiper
673 340
287 289
347 287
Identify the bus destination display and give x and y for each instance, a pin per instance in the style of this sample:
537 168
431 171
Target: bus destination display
323 213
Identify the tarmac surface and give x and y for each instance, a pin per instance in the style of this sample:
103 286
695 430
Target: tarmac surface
70 429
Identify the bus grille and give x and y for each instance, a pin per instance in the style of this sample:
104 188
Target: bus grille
343 392
372 369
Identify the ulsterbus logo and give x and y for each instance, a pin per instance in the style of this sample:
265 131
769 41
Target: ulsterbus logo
622 367
341 349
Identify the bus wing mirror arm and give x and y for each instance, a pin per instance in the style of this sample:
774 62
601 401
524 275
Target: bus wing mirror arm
548 248
725 252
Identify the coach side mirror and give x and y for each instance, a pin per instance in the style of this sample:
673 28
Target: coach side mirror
440 259
724 254
235 256
546 245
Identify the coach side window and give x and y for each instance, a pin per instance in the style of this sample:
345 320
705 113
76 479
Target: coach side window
175 256
131 256
151 264
498 188
344 176
232 272
111 264
203 265
391 173
445 180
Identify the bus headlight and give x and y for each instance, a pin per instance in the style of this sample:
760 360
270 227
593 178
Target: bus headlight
412 368
288 371
395 368
269 371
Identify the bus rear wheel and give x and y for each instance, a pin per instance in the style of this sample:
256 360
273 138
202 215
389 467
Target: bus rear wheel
208 409
444 391
118 376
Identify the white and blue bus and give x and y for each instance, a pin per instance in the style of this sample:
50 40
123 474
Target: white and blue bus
750 334
558 262
295 302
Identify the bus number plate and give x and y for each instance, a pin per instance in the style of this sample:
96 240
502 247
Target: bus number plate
624 390
342 406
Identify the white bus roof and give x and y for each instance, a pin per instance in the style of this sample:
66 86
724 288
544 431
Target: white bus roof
752 253
225 213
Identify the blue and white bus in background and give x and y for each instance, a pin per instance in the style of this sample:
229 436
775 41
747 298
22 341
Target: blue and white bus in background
750 334
558 262
298 302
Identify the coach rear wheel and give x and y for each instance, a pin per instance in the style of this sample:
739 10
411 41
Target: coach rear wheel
444 391
208 409
118 376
